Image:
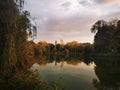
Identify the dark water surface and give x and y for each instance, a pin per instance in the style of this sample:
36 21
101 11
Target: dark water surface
80 74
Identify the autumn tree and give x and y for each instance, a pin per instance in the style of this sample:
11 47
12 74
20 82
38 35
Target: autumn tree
15 27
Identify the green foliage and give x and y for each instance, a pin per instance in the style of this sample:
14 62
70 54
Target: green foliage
107 37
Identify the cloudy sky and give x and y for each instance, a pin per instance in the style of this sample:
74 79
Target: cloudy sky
70 19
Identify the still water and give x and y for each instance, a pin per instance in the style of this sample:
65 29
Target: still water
79 74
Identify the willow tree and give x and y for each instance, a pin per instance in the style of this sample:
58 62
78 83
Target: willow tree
15 27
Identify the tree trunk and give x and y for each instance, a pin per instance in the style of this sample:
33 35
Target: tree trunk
9 57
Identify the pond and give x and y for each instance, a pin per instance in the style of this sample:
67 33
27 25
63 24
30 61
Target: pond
78 73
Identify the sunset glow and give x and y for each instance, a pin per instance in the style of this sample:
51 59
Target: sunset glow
70 19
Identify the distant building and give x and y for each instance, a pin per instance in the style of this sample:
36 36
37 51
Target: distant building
55 43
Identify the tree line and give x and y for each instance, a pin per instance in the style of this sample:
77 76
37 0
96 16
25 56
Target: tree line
106 40
70 48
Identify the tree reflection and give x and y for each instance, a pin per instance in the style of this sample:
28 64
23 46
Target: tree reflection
71 59
107 69
108 72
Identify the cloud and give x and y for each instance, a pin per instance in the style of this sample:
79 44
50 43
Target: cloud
111 12
106 2
70 19
76 27
86 2
71 24
112 15
83 3
66 4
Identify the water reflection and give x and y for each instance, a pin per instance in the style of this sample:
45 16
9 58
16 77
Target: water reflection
72 59
98 73
76 74
108 71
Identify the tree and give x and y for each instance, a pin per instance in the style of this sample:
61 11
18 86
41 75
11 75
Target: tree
101 38
107 35
15 27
